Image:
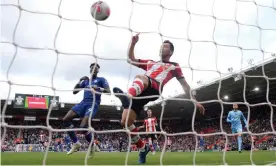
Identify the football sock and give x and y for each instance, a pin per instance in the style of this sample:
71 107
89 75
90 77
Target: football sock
72 134
239 142
137 87
135 137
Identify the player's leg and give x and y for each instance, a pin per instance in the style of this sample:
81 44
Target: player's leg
87 134
135 138
139 84
141 87
201 147
239 131
235 131
153 140
76 111
150 143
67 123
155 144
89 109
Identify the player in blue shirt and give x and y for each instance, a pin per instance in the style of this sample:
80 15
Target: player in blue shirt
67 141
86 106
234 117
201 143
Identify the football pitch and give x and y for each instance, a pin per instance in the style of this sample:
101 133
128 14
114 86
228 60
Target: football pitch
116 158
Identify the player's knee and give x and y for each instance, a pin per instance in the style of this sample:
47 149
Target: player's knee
144 79
123 122
65 119
66 123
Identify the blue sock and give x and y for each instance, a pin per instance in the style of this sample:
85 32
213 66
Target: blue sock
239 142
71 134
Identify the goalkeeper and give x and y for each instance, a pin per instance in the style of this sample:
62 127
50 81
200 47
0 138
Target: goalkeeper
234 117
156 76
86 106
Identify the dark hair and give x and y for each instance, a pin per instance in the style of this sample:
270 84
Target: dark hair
93 64
171 45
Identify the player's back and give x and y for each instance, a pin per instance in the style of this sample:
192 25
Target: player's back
88 94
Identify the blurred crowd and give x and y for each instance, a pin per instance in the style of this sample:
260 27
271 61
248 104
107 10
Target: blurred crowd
116 141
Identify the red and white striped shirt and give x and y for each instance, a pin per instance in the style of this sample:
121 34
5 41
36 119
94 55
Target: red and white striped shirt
42 137
150 124
161 72
169 141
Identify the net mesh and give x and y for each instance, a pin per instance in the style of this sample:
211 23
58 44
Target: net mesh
213 16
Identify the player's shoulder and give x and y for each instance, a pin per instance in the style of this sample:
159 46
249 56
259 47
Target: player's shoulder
173 63
146 60
101 78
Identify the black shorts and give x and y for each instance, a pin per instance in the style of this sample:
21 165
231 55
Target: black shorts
152 136
138 104
42 143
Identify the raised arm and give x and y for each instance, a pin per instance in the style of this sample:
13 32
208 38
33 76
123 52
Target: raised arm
105 86
131 55
80 84
141 127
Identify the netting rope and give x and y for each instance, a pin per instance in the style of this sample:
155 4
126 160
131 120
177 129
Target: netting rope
162 36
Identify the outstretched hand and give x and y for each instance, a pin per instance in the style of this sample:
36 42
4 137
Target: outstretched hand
201 108
135 38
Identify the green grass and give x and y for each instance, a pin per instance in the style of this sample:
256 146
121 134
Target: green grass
116 158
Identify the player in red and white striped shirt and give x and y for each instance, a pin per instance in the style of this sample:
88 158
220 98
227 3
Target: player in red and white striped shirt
149 84
150 123
42 138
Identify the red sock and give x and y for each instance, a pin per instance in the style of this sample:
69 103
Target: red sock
135 137
137 87
140 143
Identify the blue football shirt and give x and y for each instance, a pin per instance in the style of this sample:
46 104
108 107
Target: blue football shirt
100 82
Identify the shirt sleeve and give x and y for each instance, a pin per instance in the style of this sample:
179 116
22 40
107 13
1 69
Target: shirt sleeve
83 83
104 83
143 66
229 117
244 119
178 72
155 119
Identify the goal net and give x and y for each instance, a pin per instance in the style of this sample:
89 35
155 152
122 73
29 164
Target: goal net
214 40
